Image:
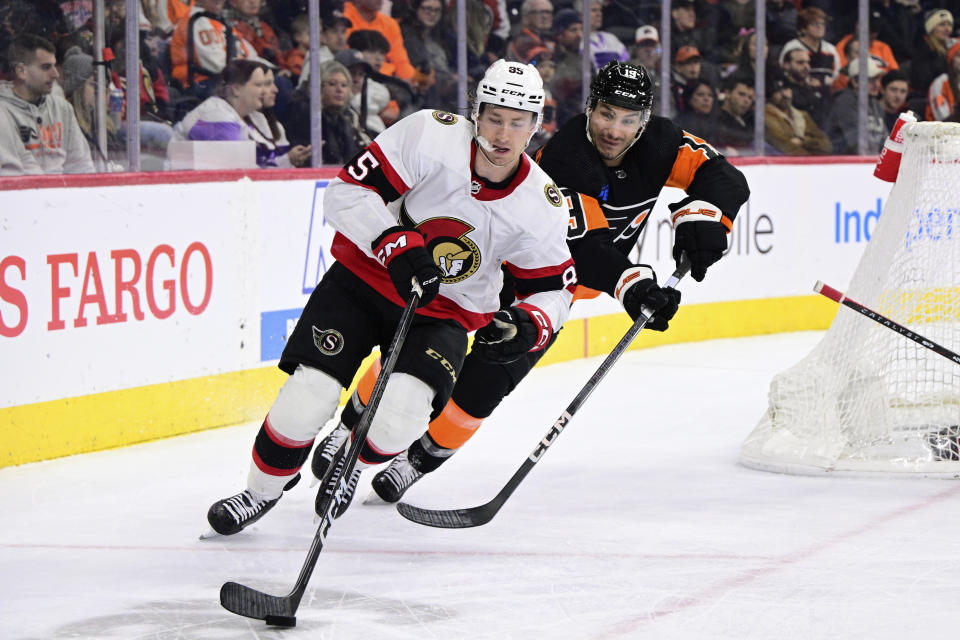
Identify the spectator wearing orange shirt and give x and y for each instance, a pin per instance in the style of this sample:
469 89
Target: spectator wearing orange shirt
366 14
244 15
881 52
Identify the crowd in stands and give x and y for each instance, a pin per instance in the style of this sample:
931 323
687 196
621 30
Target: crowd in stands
239 70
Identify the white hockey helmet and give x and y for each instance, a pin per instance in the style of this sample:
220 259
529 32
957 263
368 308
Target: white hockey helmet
511 84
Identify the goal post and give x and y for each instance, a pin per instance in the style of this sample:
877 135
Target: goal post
866 399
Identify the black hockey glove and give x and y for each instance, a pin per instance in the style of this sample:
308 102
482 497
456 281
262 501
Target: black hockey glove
638 288
699 233
512 333
402 251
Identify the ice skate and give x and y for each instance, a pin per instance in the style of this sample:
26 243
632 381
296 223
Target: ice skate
390 484
232 515
326 452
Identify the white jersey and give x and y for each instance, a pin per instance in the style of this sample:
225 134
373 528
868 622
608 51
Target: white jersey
419 173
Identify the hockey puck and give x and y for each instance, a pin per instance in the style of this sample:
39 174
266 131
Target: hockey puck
281 621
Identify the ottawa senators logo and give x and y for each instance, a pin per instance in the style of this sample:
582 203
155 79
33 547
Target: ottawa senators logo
444 118
328 341
553 195
446 239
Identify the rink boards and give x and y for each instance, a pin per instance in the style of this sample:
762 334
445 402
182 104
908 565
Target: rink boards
140 306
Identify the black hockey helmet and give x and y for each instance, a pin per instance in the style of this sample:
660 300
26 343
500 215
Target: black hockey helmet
624 85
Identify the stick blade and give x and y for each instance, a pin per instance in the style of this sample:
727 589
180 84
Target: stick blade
447 518
244 601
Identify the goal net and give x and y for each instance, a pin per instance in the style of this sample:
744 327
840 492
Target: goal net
867 399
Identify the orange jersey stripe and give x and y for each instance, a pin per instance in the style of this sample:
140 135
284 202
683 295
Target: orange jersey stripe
592 213
585 293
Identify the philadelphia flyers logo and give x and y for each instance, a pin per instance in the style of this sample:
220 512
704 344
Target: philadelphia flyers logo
553 195
449 244
328 341
444 118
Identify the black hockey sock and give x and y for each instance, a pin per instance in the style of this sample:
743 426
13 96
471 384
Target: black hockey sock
426 455
350 415
272 452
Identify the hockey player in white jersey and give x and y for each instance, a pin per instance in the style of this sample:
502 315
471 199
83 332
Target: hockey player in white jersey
444 200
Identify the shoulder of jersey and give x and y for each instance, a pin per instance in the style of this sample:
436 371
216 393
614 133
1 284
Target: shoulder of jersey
542 187
442 119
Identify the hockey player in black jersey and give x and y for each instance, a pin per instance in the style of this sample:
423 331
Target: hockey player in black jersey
611 162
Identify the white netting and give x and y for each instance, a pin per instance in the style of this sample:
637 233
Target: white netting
867 399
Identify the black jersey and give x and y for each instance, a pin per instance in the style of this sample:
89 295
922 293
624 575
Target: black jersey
665 155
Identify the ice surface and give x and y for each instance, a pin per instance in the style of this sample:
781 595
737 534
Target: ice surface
637 523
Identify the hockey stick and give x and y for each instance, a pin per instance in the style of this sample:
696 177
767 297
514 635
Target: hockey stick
281 610
484 513
836 296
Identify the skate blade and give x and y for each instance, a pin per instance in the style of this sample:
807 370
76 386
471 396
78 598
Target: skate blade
375 500
209 533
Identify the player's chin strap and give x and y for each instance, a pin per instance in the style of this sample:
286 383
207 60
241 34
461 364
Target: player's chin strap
484 144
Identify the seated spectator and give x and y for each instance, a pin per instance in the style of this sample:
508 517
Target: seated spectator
603 45
366 14
372 100
878 50
15 160
567 85
209 40
400 100
842 121
622 19
244 16
747 57
431 46
292 59
685 31
781 22
224 116
899 22
787 129
80 90
738 21
893 96
735 124
930 57
533 31
809 94
699 115
823 56
43 19
339 124
943 93
154 93
647 53
542 59
684 73
479 32
333 39
273 149
46 123
164 15
342 138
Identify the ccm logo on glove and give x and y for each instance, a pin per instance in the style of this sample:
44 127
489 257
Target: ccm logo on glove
403 252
